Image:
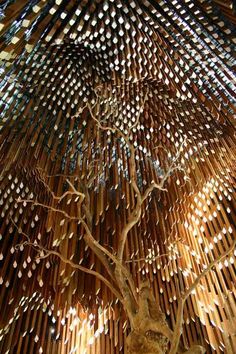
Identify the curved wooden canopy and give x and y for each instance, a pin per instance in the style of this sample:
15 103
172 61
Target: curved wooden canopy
169 63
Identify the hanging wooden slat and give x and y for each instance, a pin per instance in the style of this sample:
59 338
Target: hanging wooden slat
171 64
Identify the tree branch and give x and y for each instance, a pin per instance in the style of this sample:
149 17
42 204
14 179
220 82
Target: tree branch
153 258
95 246
183 298
135 215
48 252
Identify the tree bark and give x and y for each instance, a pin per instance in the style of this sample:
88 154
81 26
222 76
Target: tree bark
150 332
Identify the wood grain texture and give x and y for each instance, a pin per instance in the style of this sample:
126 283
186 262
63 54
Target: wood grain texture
169 63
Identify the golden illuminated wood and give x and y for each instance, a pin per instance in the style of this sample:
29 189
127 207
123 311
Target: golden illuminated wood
168 65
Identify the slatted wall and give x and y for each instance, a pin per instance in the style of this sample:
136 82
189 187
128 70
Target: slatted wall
169 64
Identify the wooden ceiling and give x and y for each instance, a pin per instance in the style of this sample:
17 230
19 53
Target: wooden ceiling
172 65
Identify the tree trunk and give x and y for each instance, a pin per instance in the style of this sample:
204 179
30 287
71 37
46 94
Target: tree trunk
150 332
148 343
154 343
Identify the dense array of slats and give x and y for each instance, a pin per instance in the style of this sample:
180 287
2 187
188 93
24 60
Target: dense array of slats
170 64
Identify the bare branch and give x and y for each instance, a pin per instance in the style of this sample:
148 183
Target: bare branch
56 210
208 268
48 253
127 292
98 249
20 232
60 198
145 259
119 265
183 298
121 275
135 215
57 174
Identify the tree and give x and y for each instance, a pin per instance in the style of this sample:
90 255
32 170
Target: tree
149 330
